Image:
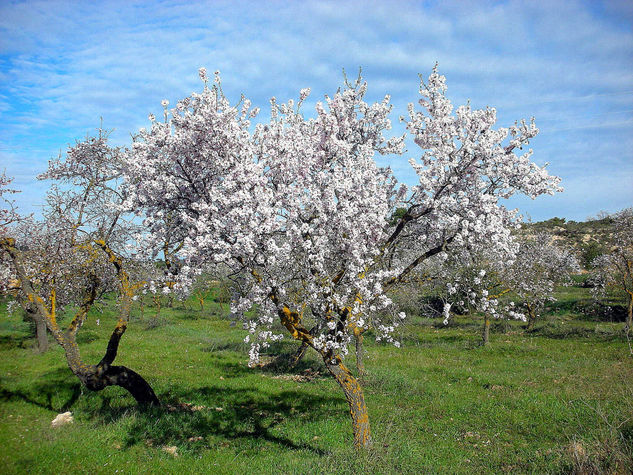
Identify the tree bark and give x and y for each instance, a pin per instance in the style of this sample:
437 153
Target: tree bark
629 314
96 378
355 399
351 388
485 334
40 328
531 317
100 376
156 299
40 332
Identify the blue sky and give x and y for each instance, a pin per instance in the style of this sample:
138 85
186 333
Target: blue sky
65 65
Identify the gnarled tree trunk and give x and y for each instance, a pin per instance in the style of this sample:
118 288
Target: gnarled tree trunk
104 374
94 377
351 388
355 399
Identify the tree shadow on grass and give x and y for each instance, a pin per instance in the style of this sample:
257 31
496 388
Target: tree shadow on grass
188 418
58 391
16 341
191 418
282 365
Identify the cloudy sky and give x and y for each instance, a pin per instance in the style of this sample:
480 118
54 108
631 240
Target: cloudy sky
66 65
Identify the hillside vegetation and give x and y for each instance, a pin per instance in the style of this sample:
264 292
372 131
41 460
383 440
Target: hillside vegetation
587 238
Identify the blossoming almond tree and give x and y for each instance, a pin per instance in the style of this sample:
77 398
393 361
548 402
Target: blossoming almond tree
472 281
538 265
530 270
9 217
615 269
71 259
301 212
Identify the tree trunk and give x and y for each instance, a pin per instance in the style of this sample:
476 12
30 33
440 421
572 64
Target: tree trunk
100 376
360 362
485 335
156 299
40 332
355 399
40 328
629 314
96 378
142 305
531 317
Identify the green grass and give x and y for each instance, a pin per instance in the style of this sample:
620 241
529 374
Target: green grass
545 402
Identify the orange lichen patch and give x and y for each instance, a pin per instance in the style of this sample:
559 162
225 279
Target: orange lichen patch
49 315
7 242
292 321
92 252
53 300
112 257
356 401
121 325
496 296
258 278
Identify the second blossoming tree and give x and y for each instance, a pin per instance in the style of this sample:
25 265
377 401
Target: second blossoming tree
301 213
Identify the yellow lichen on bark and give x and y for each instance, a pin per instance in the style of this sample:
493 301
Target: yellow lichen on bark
292 321
496 296
355 399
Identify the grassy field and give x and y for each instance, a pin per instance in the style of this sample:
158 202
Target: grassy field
555 400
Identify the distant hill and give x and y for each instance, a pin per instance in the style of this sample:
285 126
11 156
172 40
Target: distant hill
588 238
